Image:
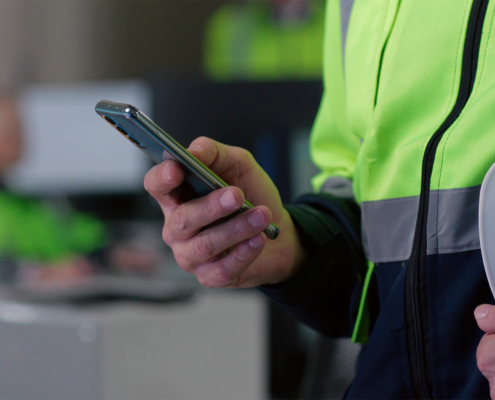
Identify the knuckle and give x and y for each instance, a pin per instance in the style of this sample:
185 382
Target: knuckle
181 261
242 154
245 154
235 229
241 256
184 262
206 282
208 208
224 278
248 155
166 235
204 246
179 220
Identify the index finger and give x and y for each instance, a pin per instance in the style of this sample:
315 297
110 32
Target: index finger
160 182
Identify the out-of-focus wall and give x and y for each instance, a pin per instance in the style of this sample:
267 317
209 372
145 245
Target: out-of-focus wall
54 40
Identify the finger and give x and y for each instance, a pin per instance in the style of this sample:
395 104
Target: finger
220 238
205 149
224 160
485 317
194 215
228 271
485 356
162 179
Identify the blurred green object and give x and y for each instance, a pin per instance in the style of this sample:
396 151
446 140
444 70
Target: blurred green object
34 231
248 41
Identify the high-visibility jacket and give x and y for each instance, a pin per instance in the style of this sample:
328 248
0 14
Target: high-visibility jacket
408 122
32 231
243 40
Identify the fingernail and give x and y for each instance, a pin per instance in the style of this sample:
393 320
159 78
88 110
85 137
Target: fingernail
256 241
481 311
227 200
167 173
256 218
195 147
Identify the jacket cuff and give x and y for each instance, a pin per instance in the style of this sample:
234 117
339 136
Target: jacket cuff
318 218
310 281
322 293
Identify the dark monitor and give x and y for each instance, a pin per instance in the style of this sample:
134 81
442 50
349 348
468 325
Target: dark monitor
263 117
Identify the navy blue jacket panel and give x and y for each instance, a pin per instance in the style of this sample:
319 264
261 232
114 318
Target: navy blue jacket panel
325 295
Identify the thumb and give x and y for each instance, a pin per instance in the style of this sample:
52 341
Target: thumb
485 317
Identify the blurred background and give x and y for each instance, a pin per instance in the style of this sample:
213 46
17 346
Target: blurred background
92 303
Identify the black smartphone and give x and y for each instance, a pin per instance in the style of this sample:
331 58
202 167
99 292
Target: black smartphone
160 146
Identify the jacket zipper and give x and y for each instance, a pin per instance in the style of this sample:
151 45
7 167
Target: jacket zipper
416 297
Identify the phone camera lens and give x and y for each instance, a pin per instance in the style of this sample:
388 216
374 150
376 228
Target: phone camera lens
134 141
121 130
110 120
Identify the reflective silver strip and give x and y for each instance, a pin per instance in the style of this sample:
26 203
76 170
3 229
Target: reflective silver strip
345 13
338 187
387 228
388 225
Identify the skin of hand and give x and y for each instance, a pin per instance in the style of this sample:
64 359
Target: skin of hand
485 355
233 253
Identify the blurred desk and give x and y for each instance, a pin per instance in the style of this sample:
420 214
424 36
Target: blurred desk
212 346
162 282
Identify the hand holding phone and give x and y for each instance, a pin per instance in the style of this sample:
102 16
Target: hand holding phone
159 146
233 253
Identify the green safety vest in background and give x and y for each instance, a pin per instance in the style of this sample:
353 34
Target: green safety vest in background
32 231
244 41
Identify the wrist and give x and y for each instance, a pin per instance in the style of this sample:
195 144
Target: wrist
293 254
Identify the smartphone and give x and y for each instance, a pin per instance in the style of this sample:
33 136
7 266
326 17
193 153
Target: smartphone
160 146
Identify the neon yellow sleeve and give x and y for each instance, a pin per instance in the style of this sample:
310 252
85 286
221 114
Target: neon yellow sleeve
333 146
